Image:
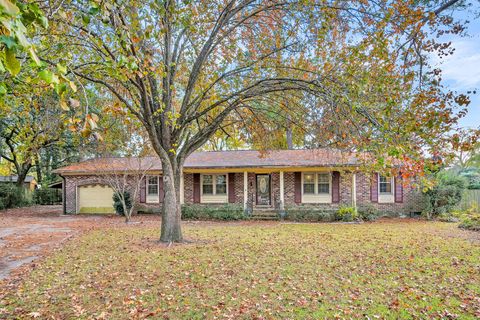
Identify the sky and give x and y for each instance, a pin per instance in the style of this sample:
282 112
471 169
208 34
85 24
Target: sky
461 71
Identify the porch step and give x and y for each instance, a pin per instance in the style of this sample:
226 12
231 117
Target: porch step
264 214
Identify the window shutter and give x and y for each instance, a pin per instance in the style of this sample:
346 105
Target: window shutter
161 192
196 188
231 187
335 187
398 189
298 187
143 190
374 188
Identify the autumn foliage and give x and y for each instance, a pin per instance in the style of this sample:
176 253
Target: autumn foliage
354 75
386 270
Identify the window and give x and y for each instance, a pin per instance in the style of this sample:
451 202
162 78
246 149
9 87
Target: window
214 184
207 184
221 185
323 183
309 183
316 183
152 189
152 186
385 185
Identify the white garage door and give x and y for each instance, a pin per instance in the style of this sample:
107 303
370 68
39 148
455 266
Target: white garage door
95 199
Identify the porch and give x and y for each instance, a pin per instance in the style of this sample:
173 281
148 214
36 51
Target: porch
264 193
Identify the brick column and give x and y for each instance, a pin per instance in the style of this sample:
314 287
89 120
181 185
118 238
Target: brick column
346 188
282 191
182 189
354 190
245 189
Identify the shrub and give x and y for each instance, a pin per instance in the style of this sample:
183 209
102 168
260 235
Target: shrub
213 212
12 196
117 203
470 221
368 213
141 208
472 177
454 215
347 214
390 213
447 217
309 214
47 196
444 196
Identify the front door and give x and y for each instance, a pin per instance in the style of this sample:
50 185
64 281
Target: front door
263 189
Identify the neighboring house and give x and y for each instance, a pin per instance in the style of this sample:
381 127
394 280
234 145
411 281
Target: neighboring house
322 178
29 184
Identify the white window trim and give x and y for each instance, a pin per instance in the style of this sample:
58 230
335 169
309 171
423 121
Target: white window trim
317 197
151 198
213 198
386 197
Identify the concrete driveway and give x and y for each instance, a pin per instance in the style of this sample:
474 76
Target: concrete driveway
29 233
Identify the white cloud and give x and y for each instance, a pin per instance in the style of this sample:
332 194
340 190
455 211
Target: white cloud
461 71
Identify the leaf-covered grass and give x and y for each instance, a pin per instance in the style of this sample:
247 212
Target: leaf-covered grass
389 270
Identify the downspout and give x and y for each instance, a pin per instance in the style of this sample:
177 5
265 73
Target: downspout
64 194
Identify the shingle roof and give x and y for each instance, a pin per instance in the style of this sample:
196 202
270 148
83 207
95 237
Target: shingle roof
28 179
226 159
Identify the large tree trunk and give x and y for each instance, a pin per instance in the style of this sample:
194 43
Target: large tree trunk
289 138
21 176
22 171
289 134
38 169
171 211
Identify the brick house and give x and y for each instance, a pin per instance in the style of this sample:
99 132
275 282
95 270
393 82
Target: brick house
320 178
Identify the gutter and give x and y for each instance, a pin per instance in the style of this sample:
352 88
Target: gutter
236 167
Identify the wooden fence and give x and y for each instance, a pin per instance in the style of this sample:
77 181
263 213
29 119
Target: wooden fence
470 198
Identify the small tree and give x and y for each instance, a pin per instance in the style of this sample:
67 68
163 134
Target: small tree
125 177
445 195
122 206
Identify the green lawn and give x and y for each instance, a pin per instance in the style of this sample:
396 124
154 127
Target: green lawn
386 270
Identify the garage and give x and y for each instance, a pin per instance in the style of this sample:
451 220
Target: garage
95 199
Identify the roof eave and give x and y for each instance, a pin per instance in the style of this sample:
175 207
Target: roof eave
77 172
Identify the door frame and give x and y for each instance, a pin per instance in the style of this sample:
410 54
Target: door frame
269 187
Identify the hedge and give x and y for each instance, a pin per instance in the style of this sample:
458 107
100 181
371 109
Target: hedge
12 196
343 213
310 214
294 213
47 196
213 212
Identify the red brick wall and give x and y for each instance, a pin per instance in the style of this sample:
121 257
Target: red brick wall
188 187
252 187
289 187
345 192
275 188
411 196
73 182
239 188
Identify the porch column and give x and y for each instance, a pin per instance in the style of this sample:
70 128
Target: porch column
245 189
282 191
354 190
182 189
